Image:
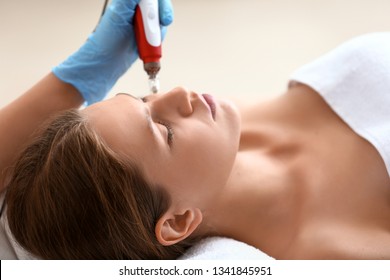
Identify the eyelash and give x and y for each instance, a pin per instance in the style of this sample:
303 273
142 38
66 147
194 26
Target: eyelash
167 125
169 130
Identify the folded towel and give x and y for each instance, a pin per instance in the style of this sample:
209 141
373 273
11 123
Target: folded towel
354 79
223 248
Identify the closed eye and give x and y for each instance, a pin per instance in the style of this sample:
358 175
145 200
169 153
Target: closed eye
170 132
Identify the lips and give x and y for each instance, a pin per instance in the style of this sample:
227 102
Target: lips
210 101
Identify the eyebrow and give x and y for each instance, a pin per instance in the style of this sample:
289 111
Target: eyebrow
147 113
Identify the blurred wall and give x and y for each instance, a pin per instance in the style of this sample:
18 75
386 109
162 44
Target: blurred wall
243 48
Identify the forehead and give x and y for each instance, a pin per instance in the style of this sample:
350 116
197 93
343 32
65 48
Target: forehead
121 123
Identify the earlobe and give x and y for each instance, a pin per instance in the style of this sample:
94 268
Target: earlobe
172 227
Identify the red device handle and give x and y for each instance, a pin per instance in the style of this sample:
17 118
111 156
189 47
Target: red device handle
147 52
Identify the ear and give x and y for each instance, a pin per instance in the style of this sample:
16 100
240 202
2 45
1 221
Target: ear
172 228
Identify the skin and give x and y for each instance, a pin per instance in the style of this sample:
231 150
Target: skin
301 184
287 176
315 189
193 167
129 125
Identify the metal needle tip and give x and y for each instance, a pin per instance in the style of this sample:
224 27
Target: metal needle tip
154 84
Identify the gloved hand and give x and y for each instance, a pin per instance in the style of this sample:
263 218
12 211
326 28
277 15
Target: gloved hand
109 51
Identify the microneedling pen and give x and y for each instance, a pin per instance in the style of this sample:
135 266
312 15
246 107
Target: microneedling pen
148 37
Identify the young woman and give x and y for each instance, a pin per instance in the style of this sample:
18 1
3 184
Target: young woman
302 176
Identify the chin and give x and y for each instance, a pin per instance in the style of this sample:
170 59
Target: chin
229 107
232 117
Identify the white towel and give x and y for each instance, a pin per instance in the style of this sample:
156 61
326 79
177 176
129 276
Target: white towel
223 248
354 79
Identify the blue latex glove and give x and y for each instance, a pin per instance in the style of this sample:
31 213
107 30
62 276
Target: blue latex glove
109 51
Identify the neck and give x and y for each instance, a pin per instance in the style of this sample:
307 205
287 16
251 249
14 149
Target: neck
255 206
260 202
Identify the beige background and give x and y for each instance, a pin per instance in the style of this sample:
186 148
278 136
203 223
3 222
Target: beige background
236 48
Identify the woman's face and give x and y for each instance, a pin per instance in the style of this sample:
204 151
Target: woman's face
183 141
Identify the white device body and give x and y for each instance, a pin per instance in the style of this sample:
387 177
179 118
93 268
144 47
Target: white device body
151 21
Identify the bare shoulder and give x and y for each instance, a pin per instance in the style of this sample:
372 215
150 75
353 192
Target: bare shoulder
335 241
298 105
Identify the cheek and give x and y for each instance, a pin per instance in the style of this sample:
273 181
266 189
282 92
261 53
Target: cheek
205 159
198 177
200 146
201 159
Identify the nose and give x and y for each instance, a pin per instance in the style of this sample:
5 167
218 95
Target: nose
176 100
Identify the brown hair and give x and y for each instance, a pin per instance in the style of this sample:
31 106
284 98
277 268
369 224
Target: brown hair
71 197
